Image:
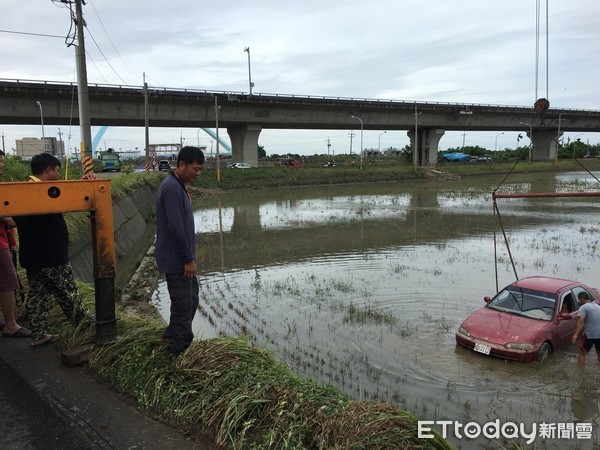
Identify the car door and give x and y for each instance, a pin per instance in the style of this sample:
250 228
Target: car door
566 327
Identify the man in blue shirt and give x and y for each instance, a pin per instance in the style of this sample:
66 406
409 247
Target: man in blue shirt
589 320
176 247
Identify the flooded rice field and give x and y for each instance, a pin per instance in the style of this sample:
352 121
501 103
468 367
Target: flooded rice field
364 286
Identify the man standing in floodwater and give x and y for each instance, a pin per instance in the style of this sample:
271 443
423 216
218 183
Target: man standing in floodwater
589 320
176 247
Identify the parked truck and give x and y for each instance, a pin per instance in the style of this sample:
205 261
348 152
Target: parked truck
110 160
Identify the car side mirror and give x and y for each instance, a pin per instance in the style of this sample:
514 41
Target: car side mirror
487 299
565 316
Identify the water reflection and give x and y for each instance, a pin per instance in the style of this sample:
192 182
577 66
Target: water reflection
363 287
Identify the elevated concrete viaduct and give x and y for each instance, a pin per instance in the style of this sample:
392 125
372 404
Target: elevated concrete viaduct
244 116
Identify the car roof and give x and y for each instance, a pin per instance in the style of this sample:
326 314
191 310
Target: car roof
546 284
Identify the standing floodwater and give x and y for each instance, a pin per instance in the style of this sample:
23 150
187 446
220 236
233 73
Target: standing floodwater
363 287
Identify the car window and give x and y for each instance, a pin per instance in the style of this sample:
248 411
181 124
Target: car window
568 303
525 302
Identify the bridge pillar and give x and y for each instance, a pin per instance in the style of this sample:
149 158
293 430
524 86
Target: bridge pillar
429 139
544 144
246 220
244 143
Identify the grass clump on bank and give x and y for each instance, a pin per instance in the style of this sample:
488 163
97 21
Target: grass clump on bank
128 182
237 394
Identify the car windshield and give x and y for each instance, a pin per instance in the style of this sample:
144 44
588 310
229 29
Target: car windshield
525 302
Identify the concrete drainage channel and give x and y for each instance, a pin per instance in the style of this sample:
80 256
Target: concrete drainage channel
133 218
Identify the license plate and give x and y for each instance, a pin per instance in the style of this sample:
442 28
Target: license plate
485 349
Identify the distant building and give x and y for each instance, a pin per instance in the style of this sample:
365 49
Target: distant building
28 147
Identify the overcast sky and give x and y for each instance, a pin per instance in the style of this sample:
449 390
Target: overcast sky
464 51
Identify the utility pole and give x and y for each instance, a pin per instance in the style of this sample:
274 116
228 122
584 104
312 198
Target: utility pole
328 140
146 132
351 134
61 147
83 94
3 143
362 149
217 134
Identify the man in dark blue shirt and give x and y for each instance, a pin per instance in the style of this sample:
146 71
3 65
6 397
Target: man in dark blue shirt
176 247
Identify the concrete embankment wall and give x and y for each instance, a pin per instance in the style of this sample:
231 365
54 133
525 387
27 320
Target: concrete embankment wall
134 222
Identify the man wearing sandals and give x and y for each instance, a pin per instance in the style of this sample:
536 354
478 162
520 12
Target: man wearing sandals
44 253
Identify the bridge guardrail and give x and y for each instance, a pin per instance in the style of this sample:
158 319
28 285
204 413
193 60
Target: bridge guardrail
169 90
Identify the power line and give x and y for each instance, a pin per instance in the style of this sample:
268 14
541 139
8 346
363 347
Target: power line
31 34
71 35
104 56
97 69
111 42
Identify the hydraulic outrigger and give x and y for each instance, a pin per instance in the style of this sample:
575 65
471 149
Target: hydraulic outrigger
45 197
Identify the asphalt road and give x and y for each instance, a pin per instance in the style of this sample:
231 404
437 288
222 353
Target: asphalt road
28 421
44 405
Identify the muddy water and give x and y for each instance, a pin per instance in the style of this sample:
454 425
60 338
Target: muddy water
364 286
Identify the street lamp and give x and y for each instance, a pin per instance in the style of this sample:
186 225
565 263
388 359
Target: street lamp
361 139
198 136
42 117
250 83
379 142
496 144
530 138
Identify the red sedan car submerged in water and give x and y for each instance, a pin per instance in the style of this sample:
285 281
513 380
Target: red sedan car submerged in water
527 320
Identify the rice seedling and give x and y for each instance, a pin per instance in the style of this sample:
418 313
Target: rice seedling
443 325
406 330
356 314
399 269
343 287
